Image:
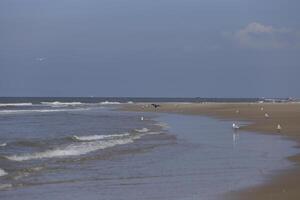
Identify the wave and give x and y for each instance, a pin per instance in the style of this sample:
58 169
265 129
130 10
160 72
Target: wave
3 144
99 137
164 126
5 186
59 104
15 104
143 130
110 103
86 144
74 149
26 172
2 172
39 111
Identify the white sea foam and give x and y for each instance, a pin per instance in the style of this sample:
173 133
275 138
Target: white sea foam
130 102
99 137
143 130
27 172
40 111
2 172
153 133
163 125
59 104
15 104
3 144
5 186
110 102
74 149
88 144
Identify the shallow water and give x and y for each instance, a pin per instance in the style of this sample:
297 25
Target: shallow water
92 152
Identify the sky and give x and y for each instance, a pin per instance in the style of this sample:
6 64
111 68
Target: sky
150 48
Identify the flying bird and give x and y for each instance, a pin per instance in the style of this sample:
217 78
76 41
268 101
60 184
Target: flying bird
40 59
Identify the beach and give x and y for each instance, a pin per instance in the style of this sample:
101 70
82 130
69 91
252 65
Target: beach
261 118
119 149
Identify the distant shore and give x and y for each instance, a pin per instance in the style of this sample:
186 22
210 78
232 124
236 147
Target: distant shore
268 118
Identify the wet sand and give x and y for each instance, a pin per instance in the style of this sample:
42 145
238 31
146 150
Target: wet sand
260 117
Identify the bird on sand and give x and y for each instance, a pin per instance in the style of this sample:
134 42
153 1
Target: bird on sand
279 128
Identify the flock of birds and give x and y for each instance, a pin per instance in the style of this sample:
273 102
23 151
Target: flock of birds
236 126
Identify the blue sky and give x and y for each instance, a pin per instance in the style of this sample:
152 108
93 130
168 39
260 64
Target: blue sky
174 48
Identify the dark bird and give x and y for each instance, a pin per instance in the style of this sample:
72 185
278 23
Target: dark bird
155 105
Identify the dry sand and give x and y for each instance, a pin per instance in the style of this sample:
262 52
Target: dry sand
263 118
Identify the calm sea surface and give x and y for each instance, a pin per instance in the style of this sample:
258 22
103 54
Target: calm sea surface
88 150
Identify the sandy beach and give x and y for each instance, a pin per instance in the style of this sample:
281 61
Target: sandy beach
259 117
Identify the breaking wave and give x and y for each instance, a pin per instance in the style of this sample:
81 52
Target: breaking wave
15 104
143 130
39 111
164 126
3 144
99 137
60 104
2 172
84 145
110 103
71 150
5 186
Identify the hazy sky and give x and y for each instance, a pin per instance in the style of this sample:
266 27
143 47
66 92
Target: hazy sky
204 48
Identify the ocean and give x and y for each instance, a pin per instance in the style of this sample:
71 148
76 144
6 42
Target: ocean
86 148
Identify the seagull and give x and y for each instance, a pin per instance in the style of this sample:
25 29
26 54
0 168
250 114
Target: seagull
40 59
262 108
278 127
142 118
266 115
235 126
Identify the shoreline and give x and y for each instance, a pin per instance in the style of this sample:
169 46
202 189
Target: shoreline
261 118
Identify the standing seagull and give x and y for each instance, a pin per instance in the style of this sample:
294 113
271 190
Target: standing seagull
235 126
278 127
266 115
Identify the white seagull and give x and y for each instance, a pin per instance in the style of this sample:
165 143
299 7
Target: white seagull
40 59
235 126
279 127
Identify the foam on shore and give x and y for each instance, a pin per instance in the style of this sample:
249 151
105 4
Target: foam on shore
2 172
88 144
